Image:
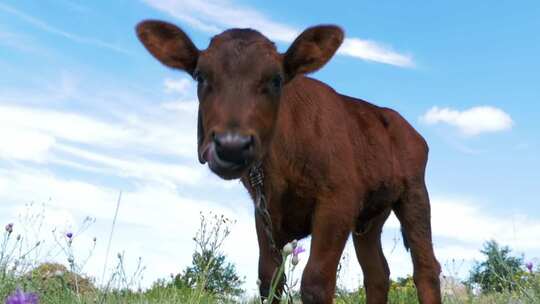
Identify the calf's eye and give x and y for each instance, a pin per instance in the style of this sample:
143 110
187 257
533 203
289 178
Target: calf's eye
276 82
199 77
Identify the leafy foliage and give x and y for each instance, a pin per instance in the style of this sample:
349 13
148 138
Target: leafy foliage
221 276
499 272
210 272
57 275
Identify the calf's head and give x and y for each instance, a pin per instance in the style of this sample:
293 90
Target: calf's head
240 80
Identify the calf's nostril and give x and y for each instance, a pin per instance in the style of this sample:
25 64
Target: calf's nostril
233 147
246 142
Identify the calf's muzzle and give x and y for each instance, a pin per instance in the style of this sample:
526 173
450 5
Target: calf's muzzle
234 148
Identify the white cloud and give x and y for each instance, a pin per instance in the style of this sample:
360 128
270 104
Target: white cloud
473 121
24 144
372 51
64 125
181 85
53 30
88 143
157 131
46 136
217 15
477 225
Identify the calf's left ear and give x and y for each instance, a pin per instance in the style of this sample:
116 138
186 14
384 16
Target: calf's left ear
312 49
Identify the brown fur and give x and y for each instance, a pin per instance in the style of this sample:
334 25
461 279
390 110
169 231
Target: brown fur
333 164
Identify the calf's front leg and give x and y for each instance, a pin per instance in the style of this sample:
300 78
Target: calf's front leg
268 262
329 236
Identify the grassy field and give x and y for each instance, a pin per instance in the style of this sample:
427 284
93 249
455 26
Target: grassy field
57 291
25 274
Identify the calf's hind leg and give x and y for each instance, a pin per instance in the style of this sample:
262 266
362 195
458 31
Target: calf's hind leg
413 211
374 266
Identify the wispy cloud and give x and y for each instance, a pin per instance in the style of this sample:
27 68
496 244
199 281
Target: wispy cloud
473 121
178 85
19 42
217 15
477 226
56 31
373 51
40 135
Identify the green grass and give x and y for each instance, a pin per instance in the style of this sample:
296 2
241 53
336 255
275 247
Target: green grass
22 266
55 291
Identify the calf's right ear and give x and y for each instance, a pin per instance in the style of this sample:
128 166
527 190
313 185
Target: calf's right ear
168 44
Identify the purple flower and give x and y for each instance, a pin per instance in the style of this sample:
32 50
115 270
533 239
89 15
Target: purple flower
21 297
9 228
529 266
69 235
298 250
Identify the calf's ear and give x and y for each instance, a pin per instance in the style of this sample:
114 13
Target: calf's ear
312 49
168 44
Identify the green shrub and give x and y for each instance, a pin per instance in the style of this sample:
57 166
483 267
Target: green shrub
49 276
222 277
499 271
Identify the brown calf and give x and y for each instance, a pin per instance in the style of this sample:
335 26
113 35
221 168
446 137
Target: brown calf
333 164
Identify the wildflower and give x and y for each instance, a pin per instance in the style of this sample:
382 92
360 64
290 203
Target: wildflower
9 228
287 249
20 297
69 235
529 266
296 252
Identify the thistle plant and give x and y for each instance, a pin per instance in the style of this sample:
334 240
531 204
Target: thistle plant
21 297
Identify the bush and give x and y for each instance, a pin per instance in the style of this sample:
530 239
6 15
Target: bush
221 275
499 272
54 275
210 272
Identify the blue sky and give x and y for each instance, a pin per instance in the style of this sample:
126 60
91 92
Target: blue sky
86 112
